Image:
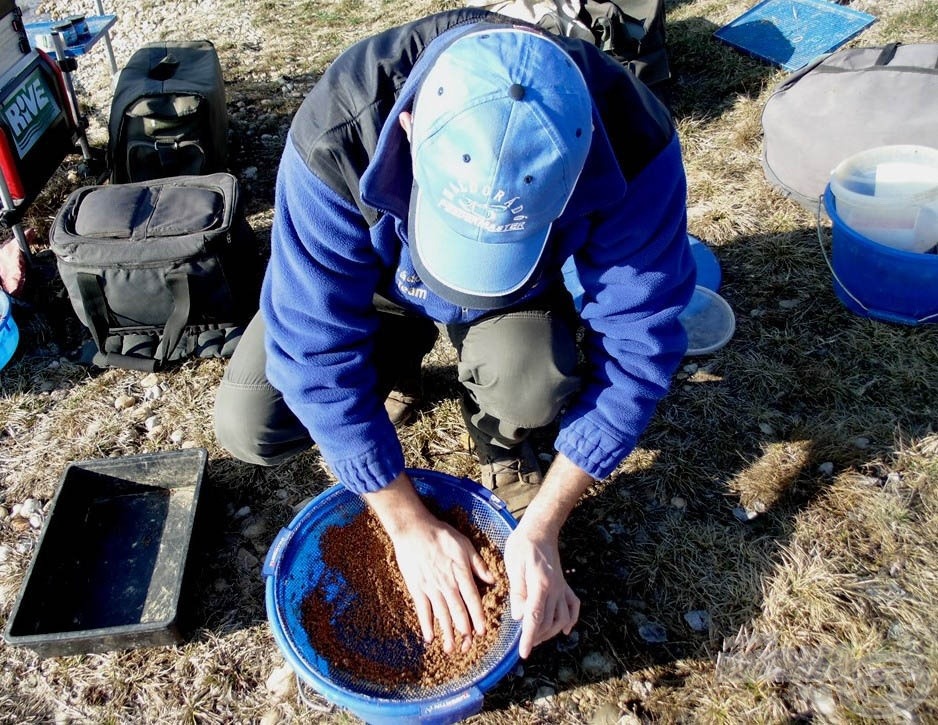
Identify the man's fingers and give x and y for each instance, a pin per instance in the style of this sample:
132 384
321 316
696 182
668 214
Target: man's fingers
480 569
424 616
441 612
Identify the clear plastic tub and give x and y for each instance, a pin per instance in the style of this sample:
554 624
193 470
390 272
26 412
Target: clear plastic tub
889 194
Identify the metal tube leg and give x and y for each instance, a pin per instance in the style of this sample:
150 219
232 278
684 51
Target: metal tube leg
70 93
107 39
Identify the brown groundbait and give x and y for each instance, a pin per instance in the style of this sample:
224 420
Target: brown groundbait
376 638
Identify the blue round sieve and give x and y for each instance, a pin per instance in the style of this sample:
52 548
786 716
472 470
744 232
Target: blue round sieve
294 566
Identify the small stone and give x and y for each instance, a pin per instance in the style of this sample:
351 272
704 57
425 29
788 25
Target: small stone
767 429
30 506
545 696
606 714
612 607
35 520
250 172
4 513
46 386
94 427
826 469
154 392
823 703
156 433
759 506
893 479
698 620
4 553
653 633
281 681
123 402
151 422
788 304
691 368
19 524
255 529
17 508
271 717
860 442
679 502
242 512
189 444
642 688
150 380
596 663
281 494
177 436
246 559
744 514
566 674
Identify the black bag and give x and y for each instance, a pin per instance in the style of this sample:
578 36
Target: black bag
844 103
159 271
168 114
631 31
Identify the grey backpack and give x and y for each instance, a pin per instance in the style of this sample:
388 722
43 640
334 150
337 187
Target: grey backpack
844 103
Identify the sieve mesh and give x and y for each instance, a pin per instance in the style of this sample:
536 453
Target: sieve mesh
301 568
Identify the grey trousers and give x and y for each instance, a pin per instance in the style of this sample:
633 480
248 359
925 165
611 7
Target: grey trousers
517 369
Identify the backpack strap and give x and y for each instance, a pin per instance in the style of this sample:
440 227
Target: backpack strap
95 306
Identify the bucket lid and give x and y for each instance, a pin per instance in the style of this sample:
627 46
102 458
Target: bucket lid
709 274
902 174
708 320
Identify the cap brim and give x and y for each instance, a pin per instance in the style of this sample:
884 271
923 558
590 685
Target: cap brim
467 272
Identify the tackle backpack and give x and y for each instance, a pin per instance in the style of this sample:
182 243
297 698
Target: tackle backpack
631 31
168 113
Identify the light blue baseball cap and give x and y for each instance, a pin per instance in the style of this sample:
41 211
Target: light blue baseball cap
501 130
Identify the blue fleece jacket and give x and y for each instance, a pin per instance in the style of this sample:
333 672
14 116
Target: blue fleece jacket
340 234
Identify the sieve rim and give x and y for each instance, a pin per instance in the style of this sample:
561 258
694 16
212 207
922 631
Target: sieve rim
469 692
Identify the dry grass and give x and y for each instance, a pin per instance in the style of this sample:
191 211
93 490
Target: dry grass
818 422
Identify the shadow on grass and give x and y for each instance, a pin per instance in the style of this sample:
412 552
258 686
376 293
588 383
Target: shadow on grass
696 524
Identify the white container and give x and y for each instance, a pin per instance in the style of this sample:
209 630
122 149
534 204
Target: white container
889 194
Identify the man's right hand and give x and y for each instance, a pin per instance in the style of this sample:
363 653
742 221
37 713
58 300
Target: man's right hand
438 564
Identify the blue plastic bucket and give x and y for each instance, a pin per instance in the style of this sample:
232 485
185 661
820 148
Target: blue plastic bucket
294 564
9 332
881 282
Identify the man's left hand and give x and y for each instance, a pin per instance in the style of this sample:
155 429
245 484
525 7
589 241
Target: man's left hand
538 591
540 596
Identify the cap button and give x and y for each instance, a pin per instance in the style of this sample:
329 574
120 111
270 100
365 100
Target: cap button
516 91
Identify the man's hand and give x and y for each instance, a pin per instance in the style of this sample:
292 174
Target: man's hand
438 563
539 594
12 268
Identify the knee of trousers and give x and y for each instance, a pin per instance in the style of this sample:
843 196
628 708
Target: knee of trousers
242 428
521 386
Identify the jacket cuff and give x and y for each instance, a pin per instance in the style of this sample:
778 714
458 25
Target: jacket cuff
370 471
595 451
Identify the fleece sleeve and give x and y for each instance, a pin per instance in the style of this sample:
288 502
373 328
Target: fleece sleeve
317 305
638 273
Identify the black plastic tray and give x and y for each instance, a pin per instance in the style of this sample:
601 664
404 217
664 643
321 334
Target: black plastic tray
108 571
